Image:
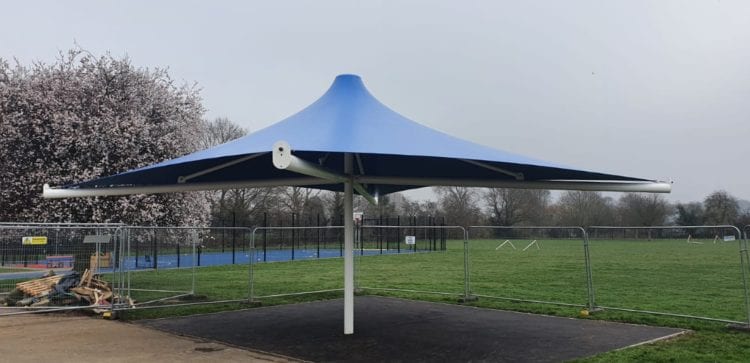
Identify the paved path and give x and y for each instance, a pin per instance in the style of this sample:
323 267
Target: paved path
65 338
396 330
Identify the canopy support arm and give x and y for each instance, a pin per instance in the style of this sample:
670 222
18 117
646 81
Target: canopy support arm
183 179
603 186
517 176
284 160
359 164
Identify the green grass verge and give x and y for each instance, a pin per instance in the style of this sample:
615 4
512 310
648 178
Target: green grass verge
669 276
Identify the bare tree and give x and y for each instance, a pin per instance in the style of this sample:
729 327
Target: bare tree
409 207
218 131
459 205
690 214
240 207
580 208
743 219
315 207
508 207
383 208
641 209
334 207
295 199
721 208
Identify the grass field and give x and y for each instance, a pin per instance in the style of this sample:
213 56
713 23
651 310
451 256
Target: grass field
662 275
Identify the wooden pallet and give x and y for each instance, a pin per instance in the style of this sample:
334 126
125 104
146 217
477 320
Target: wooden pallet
39 286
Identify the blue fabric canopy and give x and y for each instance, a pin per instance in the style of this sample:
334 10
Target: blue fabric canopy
348 119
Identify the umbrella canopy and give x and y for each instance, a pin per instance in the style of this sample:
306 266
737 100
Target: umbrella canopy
391 153
346 141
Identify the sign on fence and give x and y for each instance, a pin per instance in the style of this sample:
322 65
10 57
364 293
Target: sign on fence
35 240
410 240
97 238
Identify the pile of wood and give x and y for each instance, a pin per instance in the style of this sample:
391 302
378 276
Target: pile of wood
93 290
61 290
38 287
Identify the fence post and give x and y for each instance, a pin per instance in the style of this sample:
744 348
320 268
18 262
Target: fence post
433 234
387 235
380 233
156 250
398 234
194 239
745 265
341 242
589 275
251 267
129 241
443 237
199 255
265 235
467 283
280 237
318 231
293 236
137 245
234 236
414 229
25 251
307 231
358 237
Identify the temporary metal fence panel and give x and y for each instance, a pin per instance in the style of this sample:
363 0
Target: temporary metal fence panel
291 261
170 265
534 264
64 251
426 259
691 271
687 271
390 239
303 260
387 240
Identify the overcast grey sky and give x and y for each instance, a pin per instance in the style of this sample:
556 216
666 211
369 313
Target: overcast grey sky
655 89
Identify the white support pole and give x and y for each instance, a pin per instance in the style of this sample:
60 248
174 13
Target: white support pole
348 249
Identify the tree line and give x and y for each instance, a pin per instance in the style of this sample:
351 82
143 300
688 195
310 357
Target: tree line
519 207
85 116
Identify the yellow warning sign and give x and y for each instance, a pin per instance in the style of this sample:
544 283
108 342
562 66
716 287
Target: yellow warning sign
36 240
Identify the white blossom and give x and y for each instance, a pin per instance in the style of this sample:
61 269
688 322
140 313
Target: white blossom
85 117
